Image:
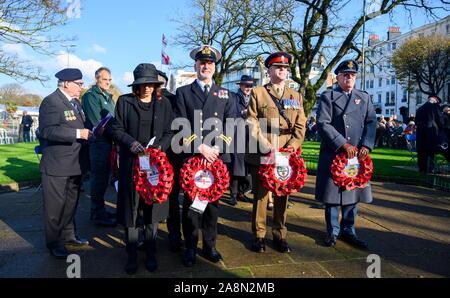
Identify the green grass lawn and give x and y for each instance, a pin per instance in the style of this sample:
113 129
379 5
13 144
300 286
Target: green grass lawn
19 163
385 161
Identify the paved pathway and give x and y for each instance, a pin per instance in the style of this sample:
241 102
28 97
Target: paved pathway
407 226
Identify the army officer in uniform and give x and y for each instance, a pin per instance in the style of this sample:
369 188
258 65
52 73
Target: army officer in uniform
282 108
346 122
199 103
63 142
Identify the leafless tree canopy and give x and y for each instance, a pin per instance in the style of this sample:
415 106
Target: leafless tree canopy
28 22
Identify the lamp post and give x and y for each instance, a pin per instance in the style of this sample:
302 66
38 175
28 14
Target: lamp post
68 50
363 68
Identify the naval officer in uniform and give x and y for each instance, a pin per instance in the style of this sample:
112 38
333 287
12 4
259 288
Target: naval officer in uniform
282 108
64 158
346 122
200 103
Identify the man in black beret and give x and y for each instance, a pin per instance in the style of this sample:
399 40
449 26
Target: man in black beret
63 142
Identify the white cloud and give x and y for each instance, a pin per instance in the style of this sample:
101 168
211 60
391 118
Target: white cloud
14 49
128 77
74 9
99 49
87 67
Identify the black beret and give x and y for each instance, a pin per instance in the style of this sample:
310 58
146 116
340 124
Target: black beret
278 58
69 74
349 65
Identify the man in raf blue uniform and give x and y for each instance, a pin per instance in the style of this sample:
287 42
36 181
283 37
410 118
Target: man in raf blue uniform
62 136
346 123
200 104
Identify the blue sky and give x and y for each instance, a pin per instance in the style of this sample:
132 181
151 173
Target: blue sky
122 34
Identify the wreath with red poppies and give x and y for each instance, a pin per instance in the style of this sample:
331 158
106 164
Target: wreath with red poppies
346 178
204 180
272 176
160 169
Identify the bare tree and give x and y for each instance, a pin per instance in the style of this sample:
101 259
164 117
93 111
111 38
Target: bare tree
28 22
311 30
424 62
228 25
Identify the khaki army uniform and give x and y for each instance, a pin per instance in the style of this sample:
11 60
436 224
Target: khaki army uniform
277 135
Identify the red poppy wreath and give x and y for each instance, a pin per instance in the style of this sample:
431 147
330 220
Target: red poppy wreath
284 180
154 177
206 181
351 175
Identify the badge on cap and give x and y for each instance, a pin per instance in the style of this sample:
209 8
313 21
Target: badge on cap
206 51
357 101
350 64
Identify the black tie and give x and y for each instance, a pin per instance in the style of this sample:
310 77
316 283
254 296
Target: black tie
77 107
206 91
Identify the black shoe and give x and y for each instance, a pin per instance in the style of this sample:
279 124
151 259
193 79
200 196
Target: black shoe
131 266
77 242
212 255
232 201
189 257
330 240
259 245
175 245
150 261
244 198
59 252
353 240
282 246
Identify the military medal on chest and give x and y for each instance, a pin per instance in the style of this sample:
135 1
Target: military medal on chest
223 94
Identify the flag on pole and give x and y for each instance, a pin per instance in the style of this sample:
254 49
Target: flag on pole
165 59
164 41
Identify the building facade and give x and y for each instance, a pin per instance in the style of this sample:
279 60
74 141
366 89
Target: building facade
388 95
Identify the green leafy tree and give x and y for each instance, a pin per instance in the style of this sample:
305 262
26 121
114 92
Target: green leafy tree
424 62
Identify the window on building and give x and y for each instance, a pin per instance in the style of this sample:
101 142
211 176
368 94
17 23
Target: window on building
394 45
367 84
371 83
380 68
404 97
392 80
379 98
387 81
372 69
387 98
418 97
393 97
447 29
380 82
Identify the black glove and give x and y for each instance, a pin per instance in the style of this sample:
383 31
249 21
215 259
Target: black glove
136 147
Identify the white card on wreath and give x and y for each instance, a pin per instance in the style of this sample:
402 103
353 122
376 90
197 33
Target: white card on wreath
198 205
353 161
144 163
281 160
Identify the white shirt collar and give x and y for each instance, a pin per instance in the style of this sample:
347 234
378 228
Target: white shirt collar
65 94
202 85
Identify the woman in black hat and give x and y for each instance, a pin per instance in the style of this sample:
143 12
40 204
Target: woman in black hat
140 116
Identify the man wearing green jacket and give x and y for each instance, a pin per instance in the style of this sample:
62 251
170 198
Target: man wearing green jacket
97 103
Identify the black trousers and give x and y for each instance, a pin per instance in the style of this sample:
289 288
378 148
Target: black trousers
239 185
193 221
99 154
150 234
425 161
61 196
174 220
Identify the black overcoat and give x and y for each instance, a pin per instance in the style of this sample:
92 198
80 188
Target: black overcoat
124 130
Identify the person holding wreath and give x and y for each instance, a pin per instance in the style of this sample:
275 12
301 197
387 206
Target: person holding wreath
142 118
346 122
